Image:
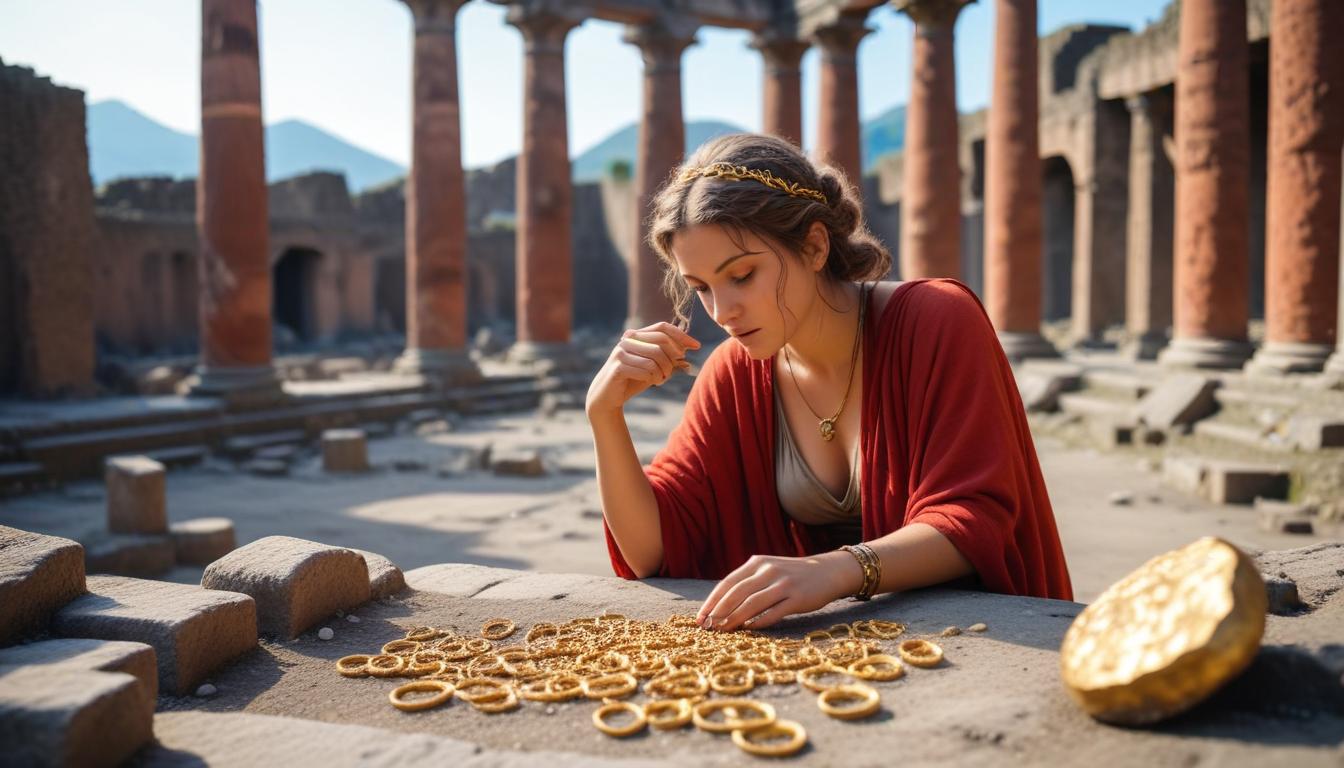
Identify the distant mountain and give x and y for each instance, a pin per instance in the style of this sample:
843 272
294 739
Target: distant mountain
883 134
123 142
623 144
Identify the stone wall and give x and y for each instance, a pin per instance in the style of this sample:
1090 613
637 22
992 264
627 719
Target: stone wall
46 228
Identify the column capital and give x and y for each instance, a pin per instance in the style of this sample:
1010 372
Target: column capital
544 24
931 14
779 49
434 16
661 42
840 35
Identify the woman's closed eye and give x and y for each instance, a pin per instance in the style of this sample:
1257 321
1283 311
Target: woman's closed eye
743 278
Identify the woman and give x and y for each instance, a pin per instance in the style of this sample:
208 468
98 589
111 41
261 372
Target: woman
881 418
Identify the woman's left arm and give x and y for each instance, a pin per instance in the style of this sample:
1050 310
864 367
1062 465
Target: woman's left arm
765 589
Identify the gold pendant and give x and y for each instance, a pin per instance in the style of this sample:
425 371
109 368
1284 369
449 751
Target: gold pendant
827 427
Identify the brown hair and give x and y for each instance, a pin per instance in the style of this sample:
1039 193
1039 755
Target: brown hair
769 213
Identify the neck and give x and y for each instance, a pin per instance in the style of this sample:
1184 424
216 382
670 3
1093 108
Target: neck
824 341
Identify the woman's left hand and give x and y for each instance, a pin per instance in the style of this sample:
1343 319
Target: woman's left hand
765 589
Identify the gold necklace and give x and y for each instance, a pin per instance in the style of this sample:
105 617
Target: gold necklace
827 426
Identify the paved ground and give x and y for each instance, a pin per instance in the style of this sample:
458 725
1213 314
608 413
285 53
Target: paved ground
416 516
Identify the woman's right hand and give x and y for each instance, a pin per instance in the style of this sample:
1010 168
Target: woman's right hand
644 357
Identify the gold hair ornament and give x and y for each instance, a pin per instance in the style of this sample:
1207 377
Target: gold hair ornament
743 173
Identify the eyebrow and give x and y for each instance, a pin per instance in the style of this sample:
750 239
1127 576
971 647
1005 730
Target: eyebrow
722 265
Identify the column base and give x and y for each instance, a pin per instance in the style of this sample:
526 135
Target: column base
1335 364
1205 353
441 367
549 356
1276 358
1023 345
1146 347
239 387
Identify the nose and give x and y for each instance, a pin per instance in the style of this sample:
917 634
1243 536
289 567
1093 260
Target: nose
721 309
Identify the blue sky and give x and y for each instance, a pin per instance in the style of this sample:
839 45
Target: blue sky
345 65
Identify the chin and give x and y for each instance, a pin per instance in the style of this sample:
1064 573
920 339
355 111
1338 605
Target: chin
755 349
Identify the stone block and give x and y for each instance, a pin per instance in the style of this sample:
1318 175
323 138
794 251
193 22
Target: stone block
1184 473
70 717
266 467
1110 434
203 540
1283 517
295 583
130 555
136 495
1312 433
344 450
517 462
193 631
385 578
1228 483
84 655
1179 399
38 575
1040 392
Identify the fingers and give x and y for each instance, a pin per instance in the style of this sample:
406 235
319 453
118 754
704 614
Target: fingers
771 615
665 363
707 608
753 606
681 337
637 368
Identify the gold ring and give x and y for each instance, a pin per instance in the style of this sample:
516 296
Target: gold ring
868 699
616 685
401 647
921 653
610 708
493 706
421 634
386 665
752 741
494 690
733 720
497 629
668 714
353 666
808 677
442 693
880 667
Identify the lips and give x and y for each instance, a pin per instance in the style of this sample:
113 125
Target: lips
744 335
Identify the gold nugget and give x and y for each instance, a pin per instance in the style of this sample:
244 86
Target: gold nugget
1166 636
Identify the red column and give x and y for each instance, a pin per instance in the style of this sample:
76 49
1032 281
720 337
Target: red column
1013 186
662 142
545 261
1211 280
231 212
838 131
931 190
1306 125
1149 226
436 216
782 102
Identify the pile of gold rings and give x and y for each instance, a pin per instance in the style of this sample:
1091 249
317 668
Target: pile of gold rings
689 676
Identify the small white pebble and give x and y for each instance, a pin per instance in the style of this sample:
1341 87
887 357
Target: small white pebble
325 633
977 627
353 619
206 690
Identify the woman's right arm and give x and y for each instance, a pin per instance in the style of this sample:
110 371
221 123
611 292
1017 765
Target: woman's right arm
643 358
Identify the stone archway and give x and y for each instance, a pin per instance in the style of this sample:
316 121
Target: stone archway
294 293
1057 212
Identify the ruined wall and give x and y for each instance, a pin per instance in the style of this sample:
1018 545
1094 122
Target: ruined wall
46 227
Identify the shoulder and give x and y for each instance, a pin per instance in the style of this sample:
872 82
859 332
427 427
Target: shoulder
926 299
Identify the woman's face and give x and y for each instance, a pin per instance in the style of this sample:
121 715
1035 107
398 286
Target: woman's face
758 297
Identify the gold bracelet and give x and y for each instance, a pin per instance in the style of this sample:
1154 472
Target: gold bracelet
872 569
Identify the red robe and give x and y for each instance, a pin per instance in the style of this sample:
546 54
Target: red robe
944 442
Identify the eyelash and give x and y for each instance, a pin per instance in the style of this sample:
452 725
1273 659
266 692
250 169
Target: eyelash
736 281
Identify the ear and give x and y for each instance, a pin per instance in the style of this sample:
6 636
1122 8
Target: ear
816 246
